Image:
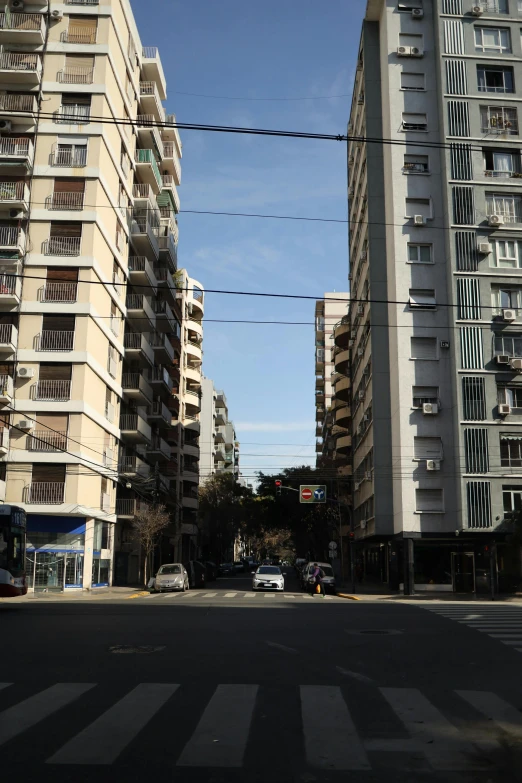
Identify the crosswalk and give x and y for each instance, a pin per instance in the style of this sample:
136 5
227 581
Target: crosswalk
222 733
241 595
499 621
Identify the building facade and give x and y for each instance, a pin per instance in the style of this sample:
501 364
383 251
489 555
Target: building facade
219 444
435 230
93 390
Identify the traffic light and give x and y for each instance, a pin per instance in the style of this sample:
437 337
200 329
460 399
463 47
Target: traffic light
278 485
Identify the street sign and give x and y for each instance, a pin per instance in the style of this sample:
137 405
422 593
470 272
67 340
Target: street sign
312 493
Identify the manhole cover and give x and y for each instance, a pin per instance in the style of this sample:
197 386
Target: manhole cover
129 649
375 631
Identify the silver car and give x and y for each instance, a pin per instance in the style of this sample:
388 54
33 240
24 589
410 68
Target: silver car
268 577
171 576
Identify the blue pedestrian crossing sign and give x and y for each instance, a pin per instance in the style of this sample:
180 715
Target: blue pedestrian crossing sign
312 493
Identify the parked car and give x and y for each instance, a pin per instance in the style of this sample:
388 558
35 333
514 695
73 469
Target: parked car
196 571
211 571
299 564
227 569
268 578
170 577
328 578
239 567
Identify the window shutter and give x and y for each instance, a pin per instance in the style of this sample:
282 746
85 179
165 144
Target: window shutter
427 448
62 273
53 421
59 229
69 185
83 61
429 500
55 372
58 323
423 347
479 504
48 473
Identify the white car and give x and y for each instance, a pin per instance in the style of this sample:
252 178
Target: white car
171 576
268 578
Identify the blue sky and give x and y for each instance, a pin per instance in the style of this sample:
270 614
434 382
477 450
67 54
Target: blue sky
278 48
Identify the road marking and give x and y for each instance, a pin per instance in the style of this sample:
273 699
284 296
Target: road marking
355 675
496 709
230 595
331 739
506 635
269 595
222 733
137 595
209 595
104 740
31 711
191 594
442 743
310 597
250 595
281 647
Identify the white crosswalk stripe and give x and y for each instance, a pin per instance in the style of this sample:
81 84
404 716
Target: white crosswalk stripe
225 725
241 595
504 624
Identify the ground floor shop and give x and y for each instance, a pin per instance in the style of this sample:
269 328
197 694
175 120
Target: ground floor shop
68 553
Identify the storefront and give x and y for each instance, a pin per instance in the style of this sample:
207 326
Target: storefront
58 557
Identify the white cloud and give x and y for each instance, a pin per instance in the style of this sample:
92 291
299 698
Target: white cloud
274 426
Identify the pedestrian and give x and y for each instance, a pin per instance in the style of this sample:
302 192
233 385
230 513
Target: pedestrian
317 576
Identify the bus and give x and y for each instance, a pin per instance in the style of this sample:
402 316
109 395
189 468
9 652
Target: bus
13 539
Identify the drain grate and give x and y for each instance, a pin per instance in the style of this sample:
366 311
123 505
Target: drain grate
129 649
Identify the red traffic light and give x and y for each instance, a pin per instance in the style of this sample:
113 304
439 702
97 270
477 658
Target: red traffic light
278 483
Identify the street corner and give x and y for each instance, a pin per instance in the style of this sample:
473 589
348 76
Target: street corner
139 594
348 596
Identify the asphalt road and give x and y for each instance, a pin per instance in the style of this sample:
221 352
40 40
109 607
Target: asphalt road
216 687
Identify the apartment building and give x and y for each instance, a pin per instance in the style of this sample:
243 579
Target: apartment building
90 321
435 241
332 382
219 444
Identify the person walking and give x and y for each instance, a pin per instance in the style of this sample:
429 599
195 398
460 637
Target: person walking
317 575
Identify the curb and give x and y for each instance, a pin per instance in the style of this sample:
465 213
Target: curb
350 597
137 595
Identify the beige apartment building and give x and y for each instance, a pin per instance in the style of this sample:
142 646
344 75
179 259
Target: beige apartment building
219 444
100 353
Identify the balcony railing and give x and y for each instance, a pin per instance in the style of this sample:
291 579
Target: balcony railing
76 75
8 334
130 422
9 286
46 492
128 507
137 301
13 191
55 390
47 440
59 292
162 341
147 156
75 158
143 190
149 52
14 148
66 201
158 374
19 61
133 464
25 102
51 340
78 35
6 388
79 115
10 21
160 409
160 445
62 246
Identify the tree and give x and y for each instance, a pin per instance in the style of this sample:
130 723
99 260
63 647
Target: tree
148 525
221 511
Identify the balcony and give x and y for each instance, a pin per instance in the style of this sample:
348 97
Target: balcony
144 193
170 163
47 440
69 158
168 223
20 67
14 194
73 114
59 292
147 169
165 321
343 415
16 152
141 272
160 414
169 249
62 246
319 414
6 388
4 441
138 349
342 362
46 492
159 449
149 133
51 340
78 35
194 349
10 289
162 347
65 201
52 390
342 332
172 134
133 466
140 313
150 100
134 429
135 387
160 379
8 338
166 283
75 75
152 68
144 235
168 183
129 507
19 108
190 500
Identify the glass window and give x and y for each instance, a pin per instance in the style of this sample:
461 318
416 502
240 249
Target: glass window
512 498
506 253
424 394
492 39
507 206
422 299
508 346
510 395
506 299
495 79
499 119
170 569
419 254
414 122
511 450
417 164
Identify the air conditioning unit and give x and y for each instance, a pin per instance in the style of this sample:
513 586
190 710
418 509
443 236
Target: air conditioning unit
26 424
416 52
484 247
360 309
417 13
430 408
56 14
360 351
496 220
502 358
504 409
17 214
419 220
17 5
361 394
516 364
364 255
404 51
6 126
433 464
368 475
509 315
25 372
366 417
477 10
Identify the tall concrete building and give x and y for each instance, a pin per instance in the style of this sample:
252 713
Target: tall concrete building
93 356
219 444
436 253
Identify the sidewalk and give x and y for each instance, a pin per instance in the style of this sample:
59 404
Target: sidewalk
382 593
98 594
